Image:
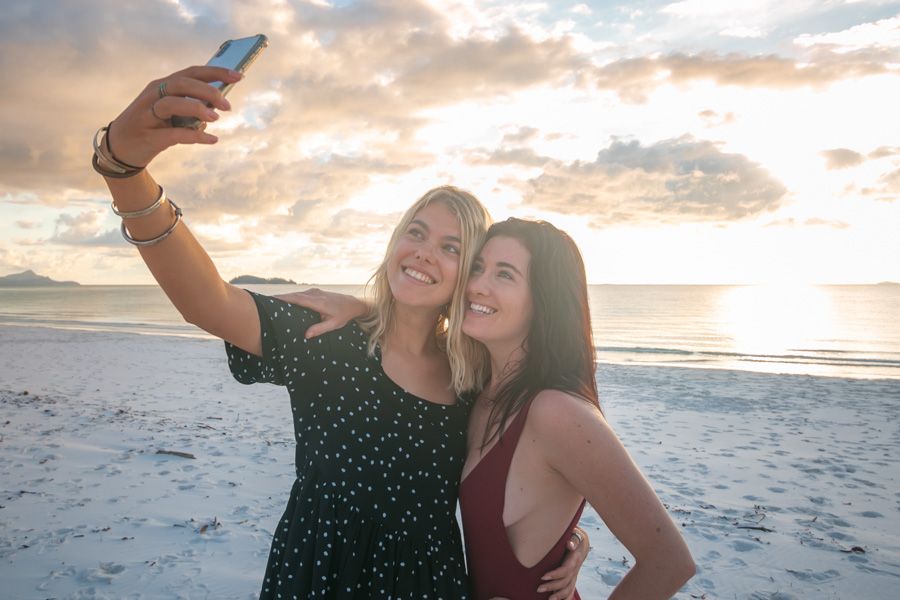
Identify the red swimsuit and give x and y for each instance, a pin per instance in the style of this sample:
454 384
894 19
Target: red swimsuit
493 568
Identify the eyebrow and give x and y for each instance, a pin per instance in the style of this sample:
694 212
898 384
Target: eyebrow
424 225
508 265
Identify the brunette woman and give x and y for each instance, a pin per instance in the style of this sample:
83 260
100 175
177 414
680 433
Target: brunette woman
538 444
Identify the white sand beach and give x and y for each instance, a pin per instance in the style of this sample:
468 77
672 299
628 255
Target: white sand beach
785 486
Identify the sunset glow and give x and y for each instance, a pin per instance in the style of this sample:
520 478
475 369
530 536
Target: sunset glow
678 142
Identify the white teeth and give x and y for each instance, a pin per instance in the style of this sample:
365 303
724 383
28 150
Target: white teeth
417 275
481 308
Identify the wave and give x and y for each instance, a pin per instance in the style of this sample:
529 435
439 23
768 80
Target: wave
707 355
164 329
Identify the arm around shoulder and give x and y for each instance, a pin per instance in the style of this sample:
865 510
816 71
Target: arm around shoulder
578 443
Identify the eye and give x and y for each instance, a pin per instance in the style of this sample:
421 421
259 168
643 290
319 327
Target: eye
477 267
505 274
451 249
415 232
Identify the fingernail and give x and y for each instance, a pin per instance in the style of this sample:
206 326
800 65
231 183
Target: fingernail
226 104
540 590
236 74
212 115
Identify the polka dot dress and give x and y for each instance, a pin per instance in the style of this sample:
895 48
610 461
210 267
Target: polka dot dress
372 513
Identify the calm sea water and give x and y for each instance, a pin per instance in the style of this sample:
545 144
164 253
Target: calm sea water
848 331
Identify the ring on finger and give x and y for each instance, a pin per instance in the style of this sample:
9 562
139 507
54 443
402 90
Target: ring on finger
578 535
155 114
161 90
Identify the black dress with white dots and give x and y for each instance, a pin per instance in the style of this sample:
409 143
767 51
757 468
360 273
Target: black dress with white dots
372 513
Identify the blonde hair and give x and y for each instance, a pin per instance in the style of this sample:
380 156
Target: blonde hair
468 359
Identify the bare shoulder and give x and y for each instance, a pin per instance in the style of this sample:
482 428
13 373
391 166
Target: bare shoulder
555 415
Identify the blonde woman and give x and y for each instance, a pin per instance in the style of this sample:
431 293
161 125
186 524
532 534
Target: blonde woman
377 413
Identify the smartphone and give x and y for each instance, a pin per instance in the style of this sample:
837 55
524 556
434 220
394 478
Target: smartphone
236 55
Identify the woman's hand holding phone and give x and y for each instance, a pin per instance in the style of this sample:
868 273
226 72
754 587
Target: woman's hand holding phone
144 129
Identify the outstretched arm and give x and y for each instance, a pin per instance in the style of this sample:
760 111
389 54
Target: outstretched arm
180 265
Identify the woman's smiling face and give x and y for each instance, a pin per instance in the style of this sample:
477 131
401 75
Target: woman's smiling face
499 303
424 266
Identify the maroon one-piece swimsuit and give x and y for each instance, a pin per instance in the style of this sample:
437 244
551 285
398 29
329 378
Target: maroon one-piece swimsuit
493 568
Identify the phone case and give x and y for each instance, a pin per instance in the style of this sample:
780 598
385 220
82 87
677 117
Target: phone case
241 66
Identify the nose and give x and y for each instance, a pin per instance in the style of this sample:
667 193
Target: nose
476 284
425 252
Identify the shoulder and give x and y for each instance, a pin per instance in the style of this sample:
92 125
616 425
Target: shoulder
554 415
279 309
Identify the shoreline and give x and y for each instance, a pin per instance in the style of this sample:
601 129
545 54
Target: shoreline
198 334
89 509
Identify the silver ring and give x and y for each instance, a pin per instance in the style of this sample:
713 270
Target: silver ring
153 110
577 534
161 90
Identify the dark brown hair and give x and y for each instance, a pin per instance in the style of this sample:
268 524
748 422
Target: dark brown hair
559 348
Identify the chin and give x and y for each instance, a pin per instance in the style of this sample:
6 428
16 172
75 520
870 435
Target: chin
418 297
473 331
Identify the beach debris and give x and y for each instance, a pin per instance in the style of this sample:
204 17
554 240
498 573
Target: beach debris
177 453
756 527
854 550
214 524
111 568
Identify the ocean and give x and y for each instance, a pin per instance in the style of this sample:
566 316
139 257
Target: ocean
839 331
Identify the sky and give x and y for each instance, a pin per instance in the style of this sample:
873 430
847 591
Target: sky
690 142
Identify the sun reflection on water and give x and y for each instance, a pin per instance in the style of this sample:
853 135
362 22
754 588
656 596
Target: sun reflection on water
776 319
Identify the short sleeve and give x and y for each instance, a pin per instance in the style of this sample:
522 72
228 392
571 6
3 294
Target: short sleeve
283 328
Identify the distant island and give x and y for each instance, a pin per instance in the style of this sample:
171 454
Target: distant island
31 279
254 280
887 283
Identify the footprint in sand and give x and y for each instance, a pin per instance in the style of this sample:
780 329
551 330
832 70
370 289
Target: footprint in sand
820 576
742 546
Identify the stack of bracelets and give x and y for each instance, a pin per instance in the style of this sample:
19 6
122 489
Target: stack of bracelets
108 165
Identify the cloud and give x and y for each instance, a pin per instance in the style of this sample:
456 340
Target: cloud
351 223
581 9
676 180
713 119
811 222
884 33
27 224
525 157
523 134
634 78
841 158
372 67
884 151
85 229
887 188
